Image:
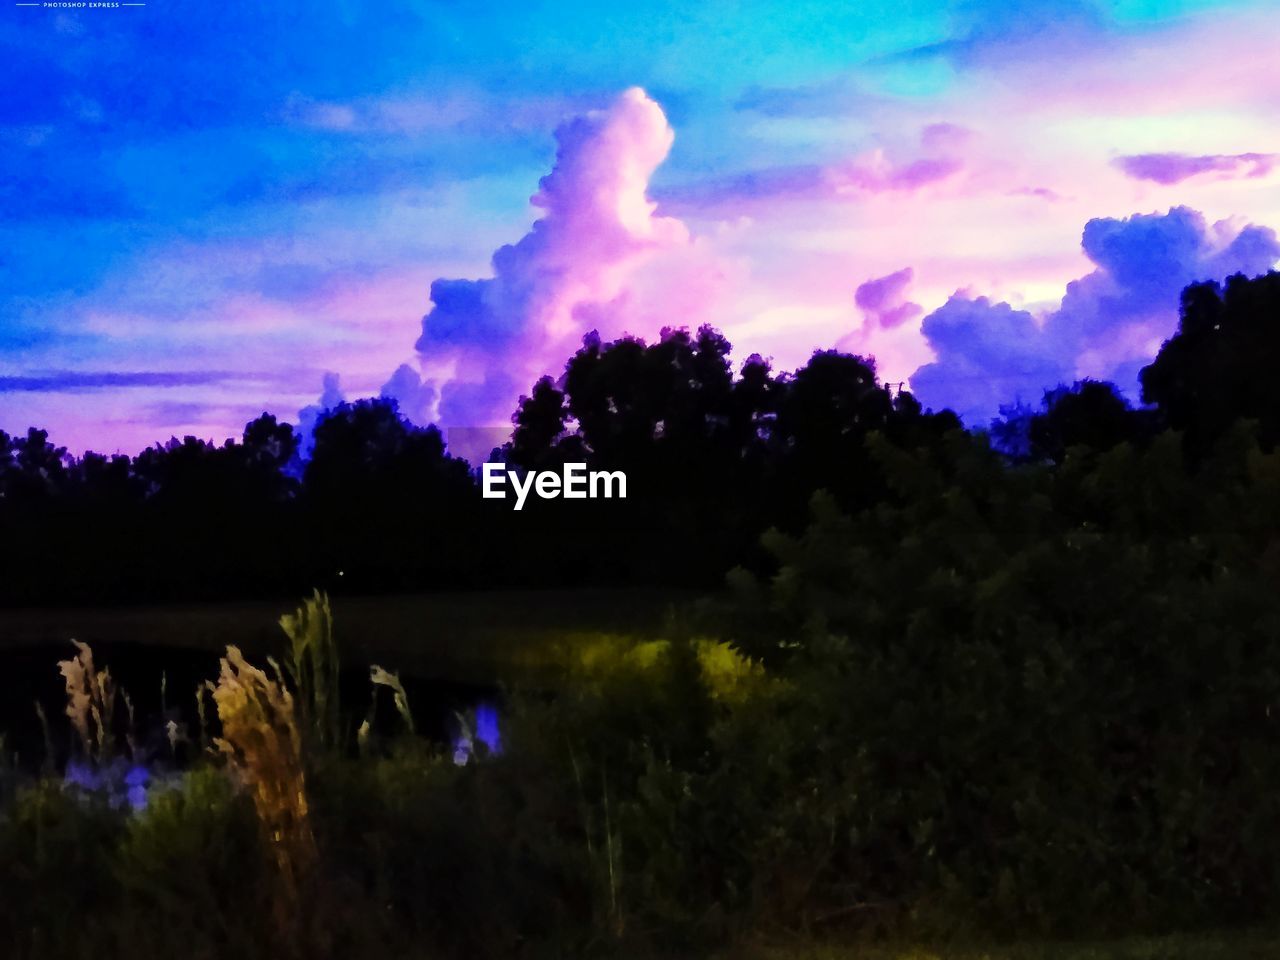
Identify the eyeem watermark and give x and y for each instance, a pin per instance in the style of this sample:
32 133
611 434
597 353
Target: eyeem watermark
574 482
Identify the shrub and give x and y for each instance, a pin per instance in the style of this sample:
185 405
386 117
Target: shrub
57 884
192 875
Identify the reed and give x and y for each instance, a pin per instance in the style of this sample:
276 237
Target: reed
91 698
390 680
262 744
312 664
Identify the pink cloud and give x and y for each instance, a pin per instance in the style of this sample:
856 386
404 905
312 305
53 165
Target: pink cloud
580 267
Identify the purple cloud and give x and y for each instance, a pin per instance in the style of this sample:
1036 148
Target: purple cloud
988 354
1170 168
72 381
415 399
1143 262
883 300
1108 325
330 396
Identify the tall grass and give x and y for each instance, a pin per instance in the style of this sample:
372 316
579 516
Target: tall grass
262 744
91 697
312 663
391 681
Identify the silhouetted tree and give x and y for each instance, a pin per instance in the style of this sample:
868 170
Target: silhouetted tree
711 460
1011 431
1221 365
1088 414
386 502
539 429
33 469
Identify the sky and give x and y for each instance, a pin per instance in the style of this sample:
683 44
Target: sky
213 209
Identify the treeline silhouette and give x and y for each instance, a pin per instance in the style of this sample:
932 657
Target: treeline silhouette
713 460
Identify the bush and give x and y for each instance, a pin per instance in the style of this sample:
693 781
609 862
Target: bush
190 870
57 884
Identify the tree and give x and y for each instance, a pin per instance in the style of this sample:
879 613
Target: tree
1221 365
385 502
1088 414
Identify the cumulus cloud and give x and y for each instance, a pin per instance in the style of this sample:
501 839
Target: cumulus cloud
1108 324
988 354
580 267
330 396
415 399
1170 168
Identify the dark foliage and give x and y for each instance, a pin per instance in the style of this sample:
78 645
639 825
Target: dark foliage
712 461
1089 414
1221 364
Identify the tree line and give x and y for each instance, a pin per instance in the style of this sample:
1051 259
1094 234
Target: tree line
714 459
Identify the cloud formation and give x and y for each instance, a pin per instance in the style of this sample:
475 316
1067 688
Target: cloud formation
1171 168
884 302
987 354
1108 324
415 399
331 396
575 270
